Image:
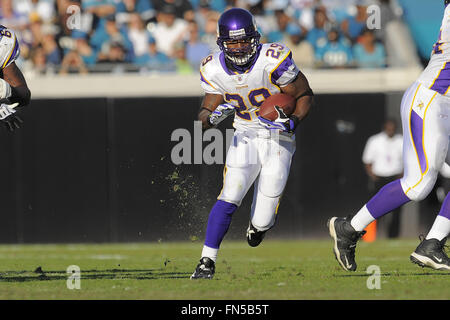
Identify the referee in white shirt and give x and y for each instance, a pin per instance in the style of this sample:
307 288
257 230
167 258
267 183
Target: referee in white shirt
383 161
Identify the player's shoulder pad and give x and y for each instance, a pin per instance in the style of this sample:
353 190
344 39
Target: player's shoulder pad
275 52
9 47
210 68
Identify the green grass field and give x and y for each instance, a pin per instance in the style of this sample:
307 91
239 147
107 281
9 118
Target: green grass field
275 270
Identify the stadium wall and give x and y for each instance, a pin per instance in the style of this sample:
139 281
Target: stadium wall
100 169
92 162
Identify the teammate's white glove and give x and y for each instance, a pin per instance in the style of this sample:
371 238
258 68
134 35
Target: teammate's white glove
221 113
5 89
8 117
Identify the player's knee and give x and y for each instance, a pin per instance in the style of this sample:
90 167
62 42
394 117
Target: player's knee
420 190
271 190
263 223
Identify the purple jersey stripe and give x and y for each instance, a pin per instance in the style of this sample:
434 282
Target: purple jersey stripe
282 68
416 123
442 81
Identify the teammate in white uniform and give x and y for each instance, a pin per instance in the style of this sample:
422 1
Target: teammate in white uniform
14 92
236 80
425 112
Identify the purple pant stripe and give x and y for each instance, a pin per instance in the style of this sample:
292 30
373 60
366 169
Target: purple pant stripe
218 223
389 198
417 134
442 82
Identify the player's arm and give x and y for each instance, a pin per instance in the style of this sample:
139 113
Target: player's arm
14 86
213 110
301 91
14 93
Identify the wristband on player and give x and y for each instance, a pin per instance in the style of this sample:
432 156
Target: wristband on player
293 122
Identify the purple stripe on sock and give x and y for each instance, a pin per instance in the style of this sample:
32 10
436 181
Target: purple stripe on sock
442 82
417 133
445 208
389 198
218 223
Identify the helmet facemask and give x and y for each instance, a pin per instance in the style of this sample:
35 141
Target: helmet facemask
240 52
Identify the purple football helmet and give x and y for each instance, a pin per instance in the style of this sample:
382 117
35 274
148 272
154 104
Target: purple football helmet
234 25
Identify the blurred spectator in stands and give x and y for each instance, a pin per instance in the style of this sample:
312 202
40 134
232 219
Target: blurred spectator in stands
182 64
284 24
153 59
51 49
138 34
73 62
182 8
44 9
355 24
100 10
304 12
201 14
302 50
38 59
11 18
126 9
317 36
339 10
113 52
265 19
383 162
369 53
215 5
209 35
335 53
168 30
102 40
80 57
65 10
196 50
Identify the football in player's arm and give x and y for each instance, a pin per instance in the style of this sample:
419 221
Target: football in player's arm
14 92
213 109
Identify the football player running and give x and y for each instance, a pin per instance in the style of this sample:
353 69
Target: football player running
14 92
236 80
425 112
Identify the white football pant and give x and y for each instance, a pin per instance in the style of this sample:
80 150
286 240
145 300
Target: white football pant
426 128
264 158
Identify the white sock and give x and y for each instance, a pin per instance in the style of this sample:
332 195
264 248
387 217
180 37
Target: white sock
440 228
210 253
362 219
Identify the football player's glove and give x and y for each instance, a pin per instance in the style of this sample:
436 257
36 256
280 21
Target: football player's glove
283 122
5 90
8 117
221 113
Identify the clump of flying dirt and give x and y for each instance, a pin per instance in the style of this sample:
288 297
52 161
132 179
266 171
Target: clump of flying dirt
184 195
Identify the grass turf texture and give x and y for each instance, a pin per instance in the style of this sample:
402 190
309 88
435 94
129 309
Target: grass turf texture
275 270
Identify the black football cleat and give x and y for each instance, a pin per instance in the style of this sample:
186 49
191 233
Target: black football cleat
205 269
254 236
345 239
430 253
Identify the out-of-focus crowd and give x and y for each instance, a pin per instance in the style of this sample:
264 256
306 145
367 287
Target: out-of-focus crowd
61 36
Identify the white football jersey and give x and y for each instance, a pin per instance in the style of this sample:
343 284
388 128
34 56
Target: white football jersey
436 75
9 47
273 68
